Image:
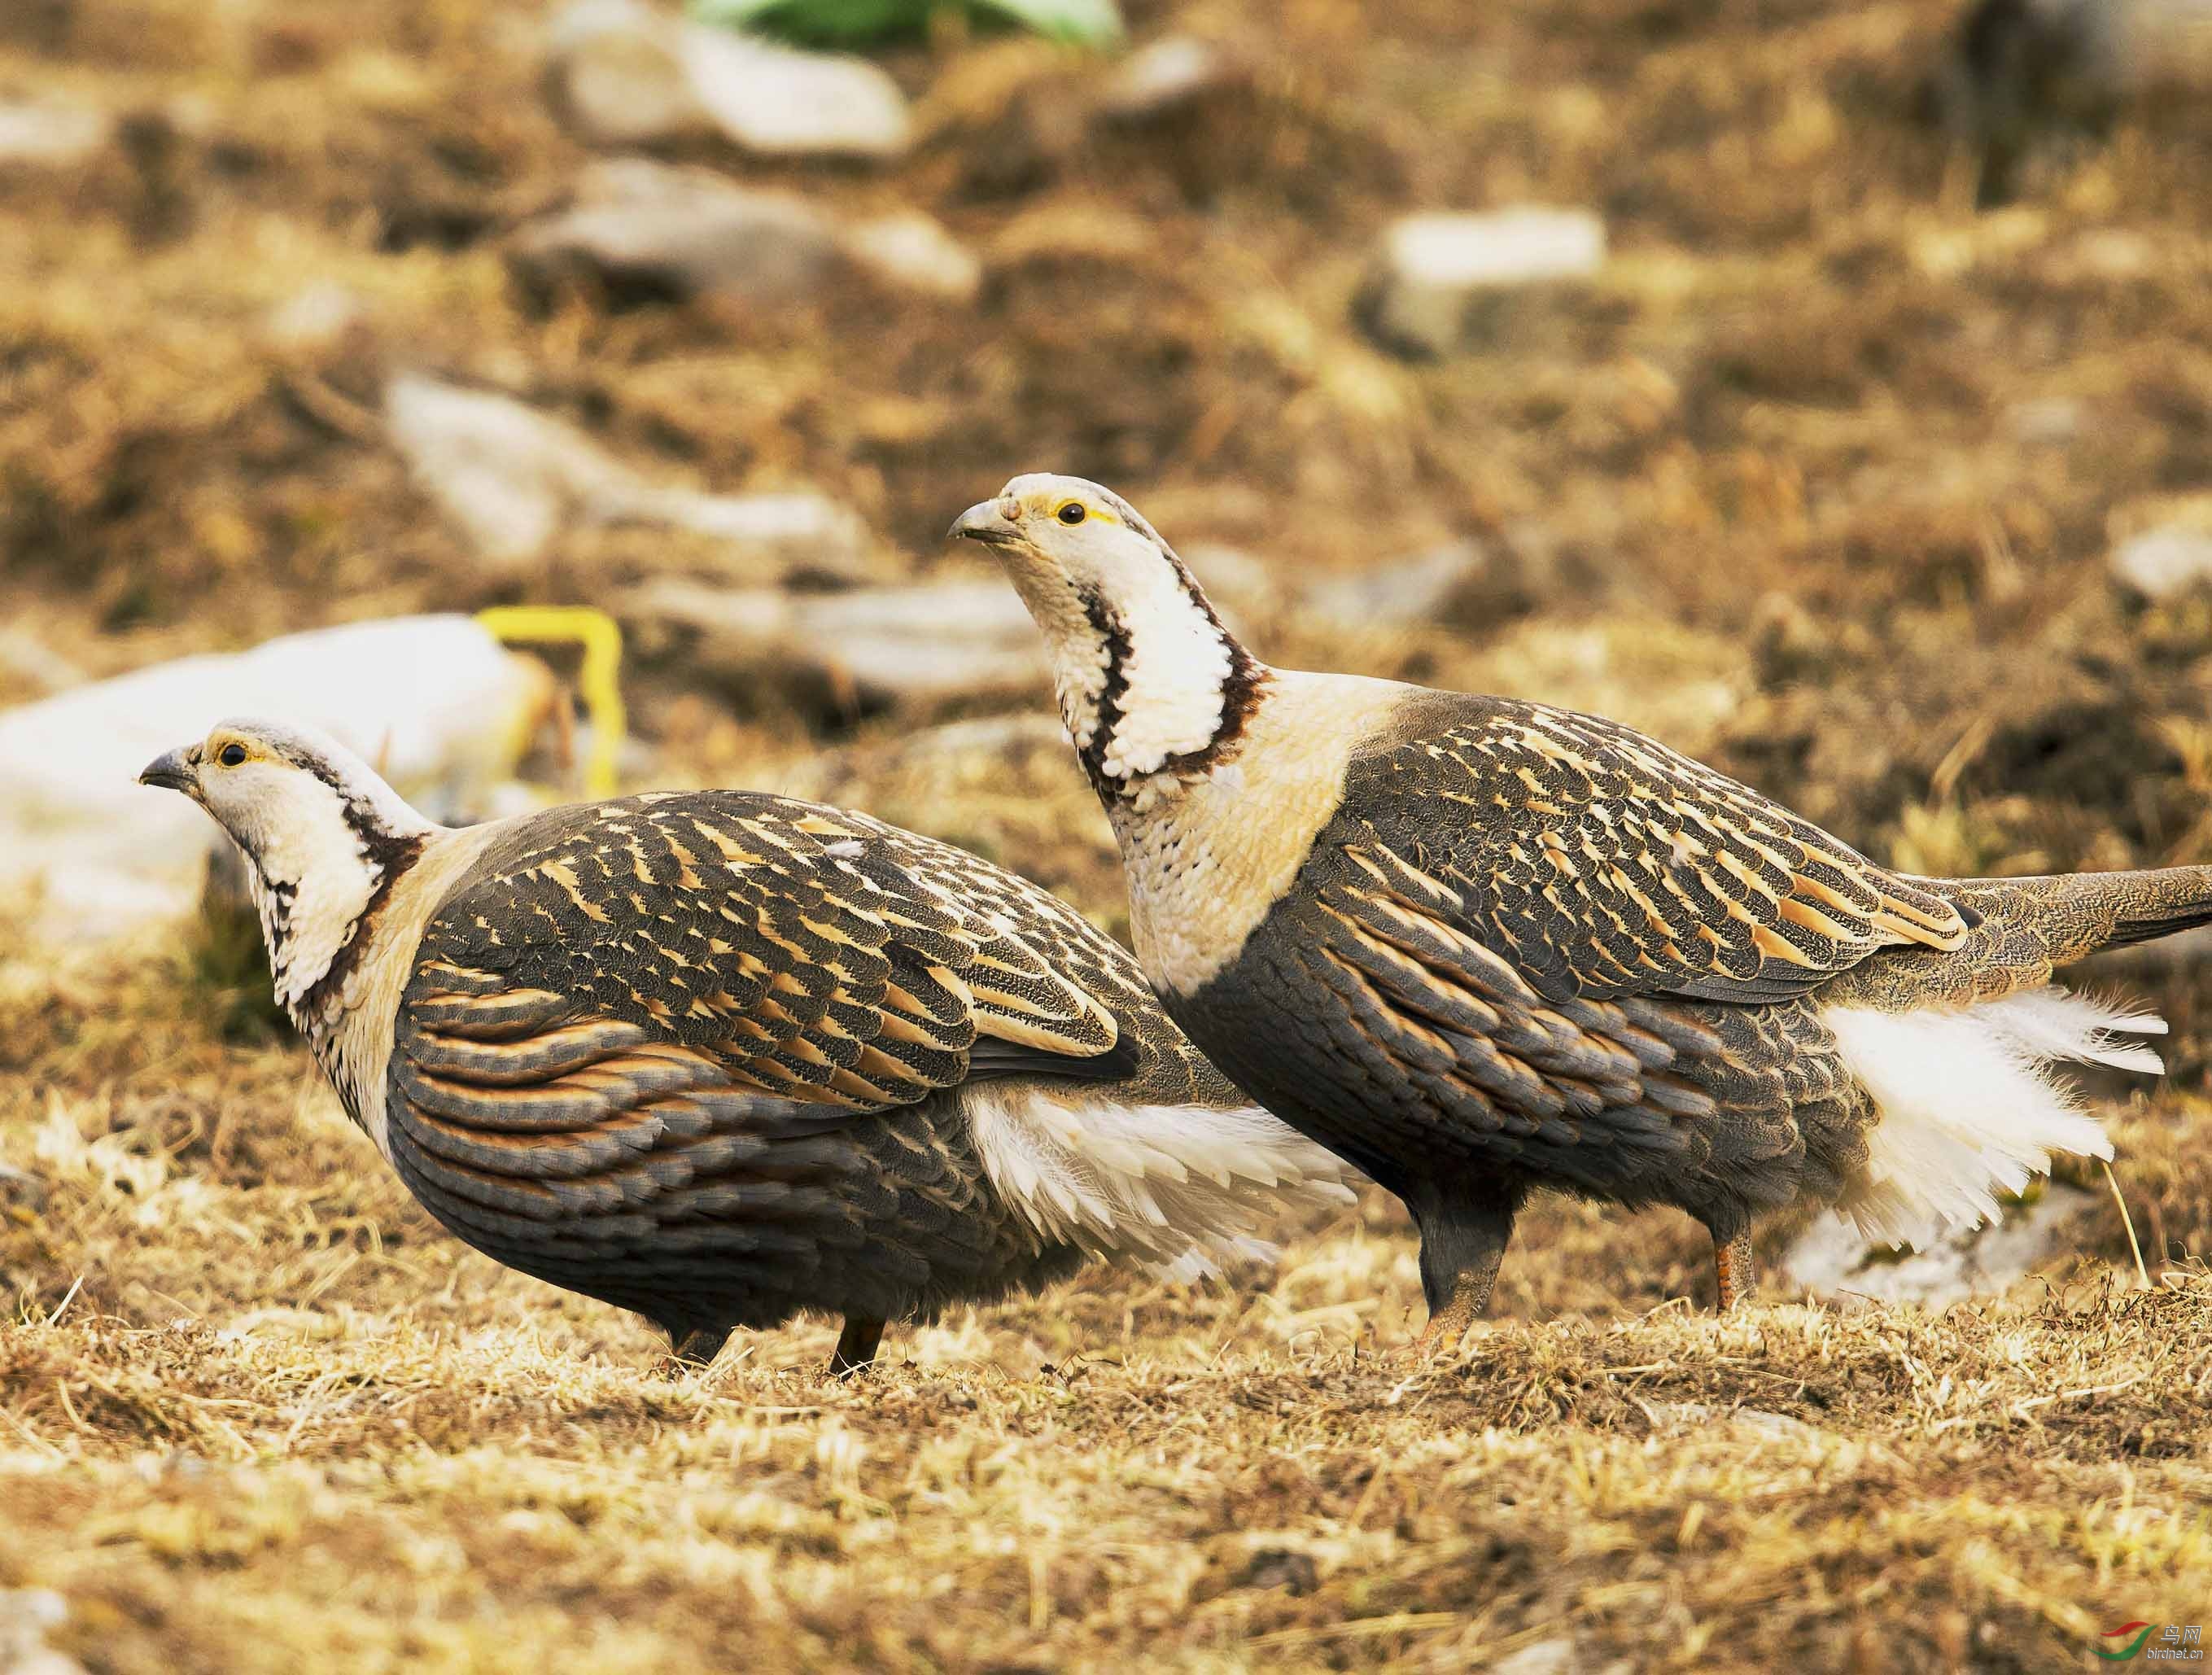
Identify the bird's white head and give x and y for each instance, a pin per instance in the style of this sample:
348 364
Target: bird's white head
1148 679
324 838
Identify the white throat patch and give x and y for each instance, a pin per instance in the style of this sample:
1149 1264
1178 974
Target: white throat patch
1140 681
1175 679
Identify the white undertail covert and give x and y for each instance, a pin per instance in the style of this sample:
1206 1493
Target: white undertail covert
1180 1188
1967 1104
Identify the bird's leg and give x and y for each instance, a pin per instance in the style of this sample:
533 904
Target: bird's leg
1735 1277
690 1347
1463 1240
856 1346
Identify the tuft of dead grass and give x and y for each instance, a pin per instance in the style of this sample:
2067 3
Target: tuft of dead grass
258 1413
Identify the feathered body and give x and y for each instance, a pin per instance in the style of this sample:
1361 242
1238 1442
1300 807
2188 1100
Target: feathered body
1478 946
720 1058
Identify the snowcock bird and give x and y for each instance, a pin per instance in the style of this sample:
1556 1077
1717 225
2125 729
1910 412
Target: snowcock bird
1480 946
721 1057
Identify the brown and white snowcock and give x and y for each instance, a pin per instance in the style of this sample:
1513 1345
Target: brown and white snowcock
721 1057
1479 947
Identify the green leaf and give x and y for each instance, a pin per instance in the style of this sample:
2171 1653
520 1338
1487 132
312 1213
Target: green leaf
1080 22
856 23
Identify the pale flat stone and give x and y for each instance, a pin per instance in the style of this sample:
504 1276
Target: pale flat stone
640 225
46 135
2161 563
916 644
914 252
1430 268
512 478
779 101
1172 74
1412 592
26 1615
625 74
1832 1260
436 701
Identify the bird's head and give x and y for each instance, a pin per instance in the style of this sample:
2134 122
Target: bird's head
1148 676
1067 533
322 834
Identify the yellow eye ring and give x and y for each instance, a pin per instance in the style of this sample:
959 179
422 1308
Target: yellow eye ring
232 755
1070 513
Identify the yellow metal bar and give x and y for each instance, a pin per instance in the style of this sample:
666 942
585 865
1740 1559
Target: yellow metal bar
601 677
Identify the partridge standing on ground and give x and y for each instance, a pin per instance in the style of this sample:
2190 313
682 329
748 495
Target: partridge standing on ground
1479 947
722 1058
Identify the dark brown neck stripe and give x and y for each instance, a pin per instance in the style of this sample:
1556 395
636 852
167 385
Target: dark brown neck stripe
392 857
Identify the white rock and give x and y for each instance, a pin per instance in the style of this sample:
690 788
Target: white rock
642 225
781 103
915 253
1544 1657
2160 563
1244 589
869 647
29 661
1833 1261
314 317
2049 422
685 232
1169 74
616 70
45 134
443 706
1430 268
1411 593
626 74
512 478
26 1615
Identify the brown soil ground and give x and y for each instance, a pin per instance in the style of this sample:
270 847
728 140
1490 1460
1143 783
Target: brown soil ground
1782 485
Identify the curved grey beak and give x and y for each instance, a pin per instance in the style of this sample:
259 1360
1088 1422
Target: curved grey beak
984 522
171 771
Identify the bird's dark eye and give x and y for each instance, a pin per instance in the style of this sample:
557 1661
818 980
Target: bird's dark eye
1072 513
232 756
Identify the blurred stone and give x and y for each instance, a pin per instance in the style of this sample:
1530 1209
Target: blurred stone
1431 268
26 1615
2045 423
1463 584
615 71
1414 592
1834 1260
2160 563
1171 75
1544 1657
315 318
49 135
1243 588
861 649
622 73
512 478
915 253
641 228
28 661
1023 756
646 230
436 702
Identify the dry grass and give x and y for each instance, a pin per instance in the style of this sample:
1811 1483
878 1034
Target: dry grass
1774 482
256 1412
